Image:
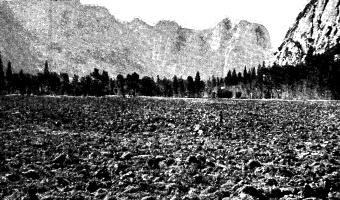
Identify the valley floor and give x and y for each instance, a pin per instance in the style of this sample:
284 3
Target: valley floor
154 148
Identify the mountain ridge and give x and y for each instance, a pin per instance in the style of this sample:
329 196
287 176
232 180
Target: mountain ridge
317 29
76 38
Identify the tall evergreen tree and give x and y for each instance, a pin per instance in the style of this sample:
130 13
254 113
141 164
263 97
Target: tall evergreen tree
9 78
46 68
260 73
96 83
239 78
87 85
22 83
181 86
135 83
175 85
2 76
190 86
198 84
253 73
214 81
245 75
148 86
229 78
121 84
65 84
112 86
46 79
54 83
158 84
76 90
105 82
167 87
95 74
234 77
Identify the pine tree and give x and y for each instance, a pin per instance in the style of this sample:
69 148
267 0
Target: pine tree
75 86
158 84
245 75
190 86
87 86
239 78
214 81
2 76
198 84
46 70
65 84
95 74
105 82
97 84
260 74
181 87
175 85
135 83
234 77
9 78
22 83
148 86
121 84
253 73
229 78
167 87
112 86
46 79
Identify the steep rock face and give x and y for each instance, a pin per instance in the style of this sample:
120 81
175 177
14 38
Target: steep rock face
75 38
316 27
15 40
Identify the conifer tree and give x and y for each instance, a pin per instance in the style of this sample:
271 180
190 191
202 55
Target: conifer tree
121 84
190 86
245 75
9 78
214 81
105 82
2 76
46 70
22 83
198 84
181 87
229 79
65 84
46 79
234 77
175 85
75 86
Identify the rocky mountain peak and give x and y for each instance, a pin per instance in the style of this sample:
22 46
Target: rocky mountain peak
76 38
138 23
317 27
167 25
225 24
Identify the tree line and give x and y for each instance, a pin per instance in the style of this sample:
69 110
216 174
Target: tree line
95 84
318 77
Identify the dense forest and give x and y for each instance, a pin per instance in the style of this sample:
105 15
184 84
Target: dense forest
317 78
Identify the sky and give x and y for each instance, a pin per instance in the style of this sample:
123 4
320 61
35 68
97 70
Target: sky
276 15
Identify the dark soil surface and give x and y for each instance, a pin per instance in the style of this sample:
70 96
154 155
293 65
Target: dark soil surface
114 148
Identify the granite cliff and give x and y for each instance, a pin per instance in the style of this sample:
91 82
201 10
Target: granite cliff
317 27
75 38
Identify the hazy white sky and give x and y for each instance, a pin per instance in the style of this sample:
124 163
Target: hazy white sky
276 15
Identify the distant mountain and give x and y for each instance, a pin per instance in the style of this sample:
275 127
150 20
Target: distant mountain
75 38
317 27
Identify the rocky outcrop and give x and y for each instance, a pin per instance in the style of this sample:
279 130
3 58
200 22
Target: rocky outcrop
317 27
75 38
